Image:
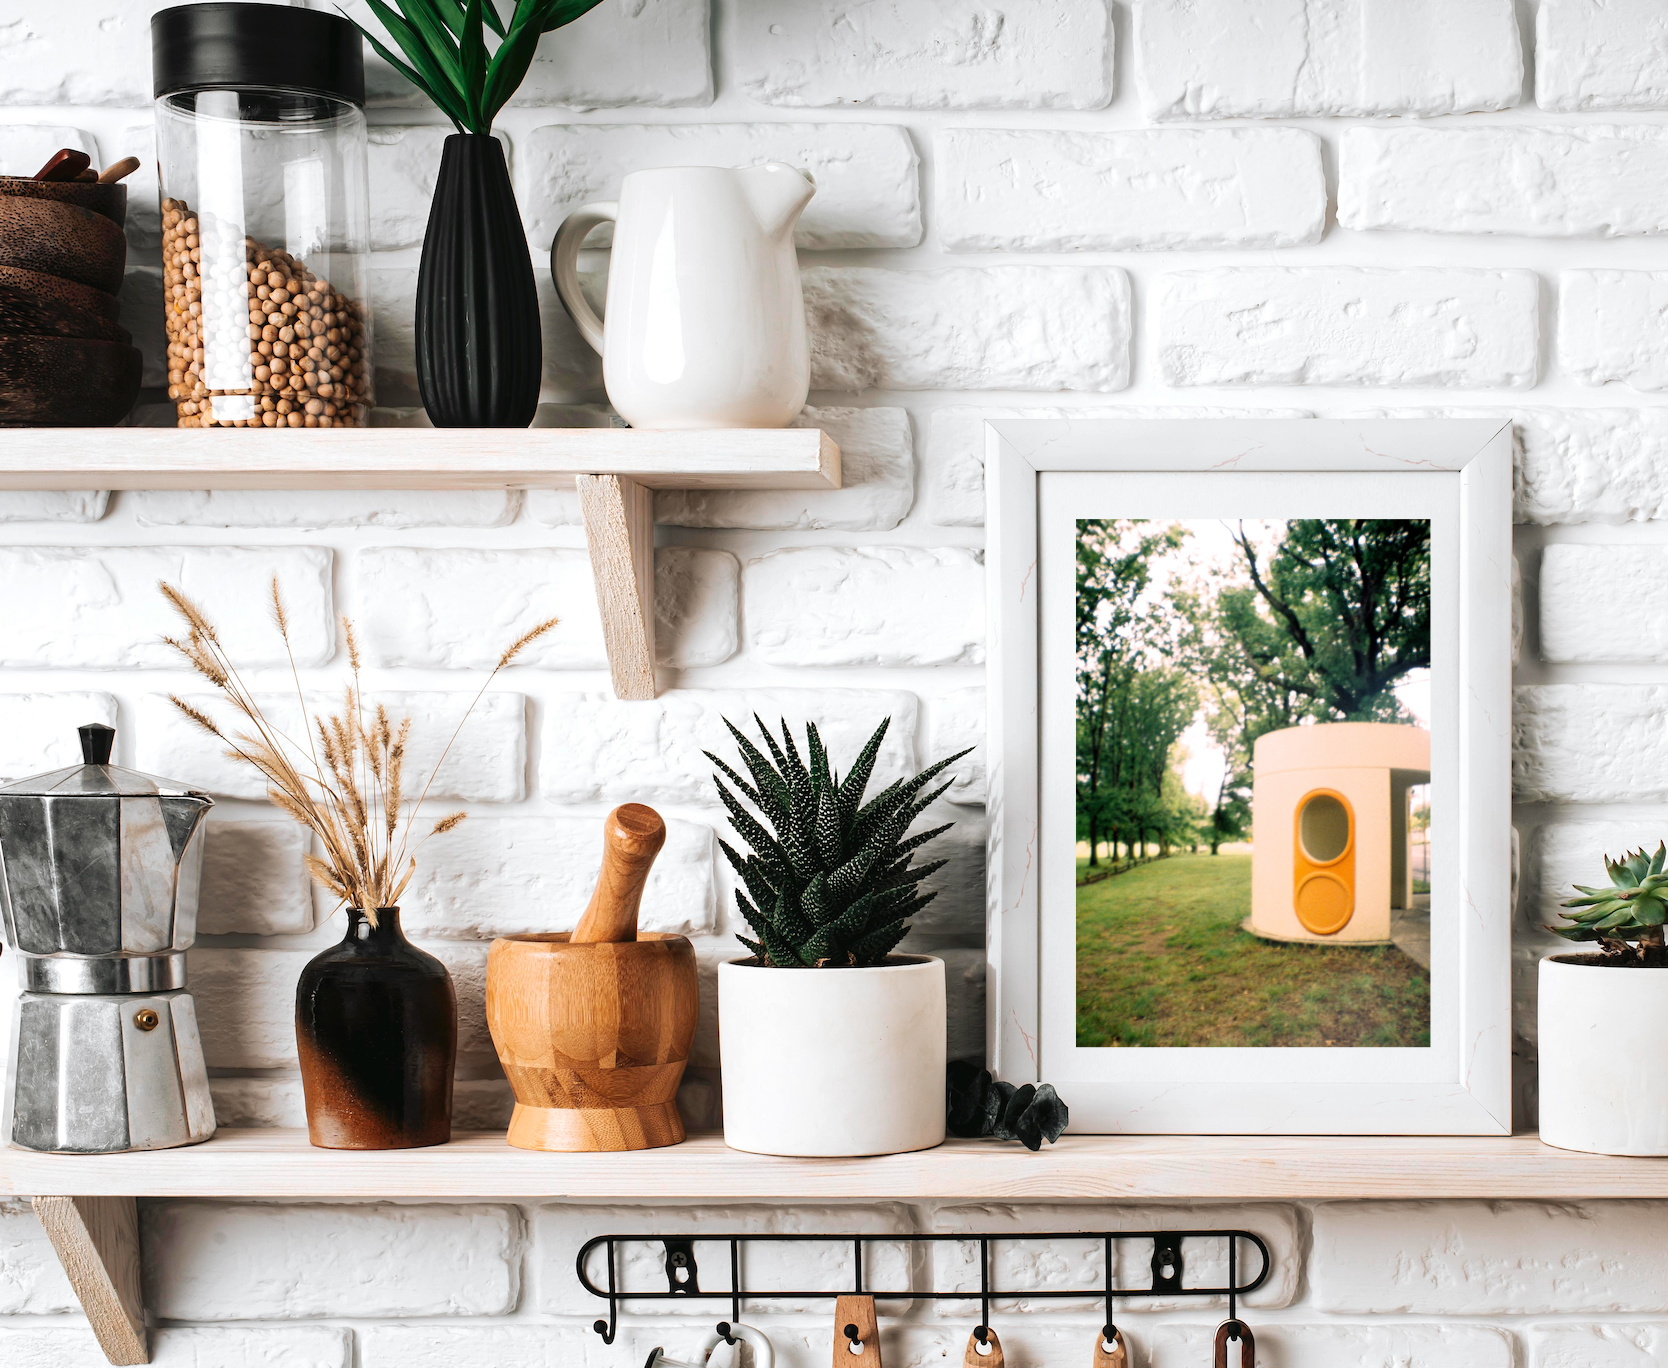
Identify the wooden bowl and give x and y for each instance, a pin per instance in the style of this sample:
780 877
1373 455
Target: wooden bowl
593 1037
66 381
108 200
62 240
23 313
51 289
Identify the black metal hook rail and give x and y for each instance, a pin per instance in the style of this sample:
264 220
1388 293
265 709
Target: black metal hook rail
683 1274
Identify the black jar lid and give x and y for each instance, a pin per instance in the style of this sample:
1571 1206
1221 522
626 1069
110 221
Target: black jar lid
238 46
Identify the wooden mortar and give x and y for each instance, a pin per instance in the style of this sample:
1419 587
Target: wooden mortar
593 1028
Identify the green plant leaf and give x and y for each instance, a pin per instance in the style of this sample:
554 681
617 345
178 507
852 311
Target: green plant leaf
472 57
421 16
564 12
434 81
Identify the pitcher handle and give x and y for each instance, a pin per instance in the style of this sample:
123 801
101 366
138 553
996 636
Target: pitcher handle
564 266
764 1355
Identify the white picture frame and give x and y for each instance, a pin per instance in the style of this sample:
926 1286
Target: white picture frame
1461 470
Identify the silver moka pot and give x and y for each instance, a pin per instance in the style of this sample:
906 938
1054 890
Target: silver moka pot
99 872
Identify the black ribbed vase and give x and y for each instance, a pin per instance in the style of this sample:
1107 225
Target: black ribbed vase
479 350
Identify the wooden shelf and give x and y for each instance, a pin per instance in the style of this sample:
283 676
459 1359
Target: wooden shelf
614 470
280 1163
413 458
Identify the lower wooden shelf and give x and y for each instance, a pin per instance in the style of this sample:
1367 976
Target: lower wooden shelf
478 1164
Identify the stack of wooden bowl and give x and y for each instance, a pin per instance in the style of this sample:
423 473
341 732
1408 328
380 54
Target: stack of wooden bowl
64 359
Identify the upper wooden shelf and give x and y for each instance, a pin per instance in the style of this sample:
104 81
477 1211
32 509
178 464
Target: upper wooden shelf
280 1163
413 458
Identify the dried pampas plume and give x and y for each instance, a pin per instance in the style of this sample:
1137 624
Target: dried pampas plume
345 777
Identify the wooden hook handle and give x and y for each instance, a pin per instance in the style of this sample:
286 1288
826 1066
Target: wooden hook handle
1248 1344
972 1358
1117 1356
631 837
856 1336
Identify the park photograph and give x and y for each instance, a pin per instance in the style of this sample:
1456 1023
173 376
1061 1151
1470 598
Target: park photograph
1253 756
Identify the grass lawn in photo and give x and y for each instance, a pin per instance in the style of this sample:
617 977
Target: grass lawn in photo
1162 960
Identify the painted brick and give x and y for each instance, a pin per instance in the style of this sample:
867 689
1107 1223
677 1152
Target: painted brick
597 749
94 53
866 605
1483 1258
1592 465
956 721
486 764
1222 59
98 608
212 1261
877 485
500 876
1563 854
1031 54
25 148
572 371
259 1102
32 1282
475 1346
1333 1346
246 1005
396 508
655 52
1611 327
457 608
957 914
1601 54
1590 743
140 303
964 998
37 730
1623 1345
1161 189
696 594
402 165
1344 325
954 459
1593 181
1600 602
254 880
294 1346
866 174
65 506
1069 1265
559 1231
970 327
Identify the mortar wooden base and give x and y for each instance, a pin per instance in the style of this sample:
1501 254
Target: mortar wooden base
572 1130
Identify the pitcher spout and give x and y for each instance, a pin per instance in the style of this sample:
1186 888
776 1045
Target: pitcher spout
778 194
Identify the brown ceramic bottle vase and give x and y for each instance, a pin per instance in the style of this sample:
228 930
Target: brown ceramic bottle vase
376 1025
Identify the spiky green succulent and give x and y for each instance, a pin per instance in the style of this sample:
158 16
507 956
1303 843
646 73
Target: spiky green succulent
1631 911
832 882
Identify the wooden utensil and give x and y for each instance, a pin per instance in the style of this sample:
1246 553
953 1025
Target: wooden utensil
63 165
632 836
1240 1331
1111 1353
992 1355
117 170
594 1034
856 1335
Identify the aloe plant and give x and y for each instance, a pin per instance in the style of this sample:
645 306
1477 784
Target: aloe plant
445 46
830 885
1627 917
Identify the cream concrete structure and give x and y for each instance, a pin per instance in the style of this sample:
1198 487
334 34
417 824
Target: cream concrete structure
1330 829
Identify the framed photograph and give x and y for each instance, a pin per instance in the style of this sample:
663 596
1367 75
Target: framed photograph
1249 760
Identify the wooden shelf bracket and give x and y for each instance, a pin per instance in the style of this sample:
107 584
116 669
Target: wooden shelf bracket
97 1241
619 533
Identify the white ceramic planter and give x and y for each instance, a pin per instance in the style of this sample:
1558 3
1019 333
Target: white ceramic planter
1603 1085
833 1062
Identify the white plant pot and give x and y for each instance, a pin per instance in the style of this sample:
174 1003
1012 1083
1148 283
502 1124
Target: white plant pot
1603 1085
833 1062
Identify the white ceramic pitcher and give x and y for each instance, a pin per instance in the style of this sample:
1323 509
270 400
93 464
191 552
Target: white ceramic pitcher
706 323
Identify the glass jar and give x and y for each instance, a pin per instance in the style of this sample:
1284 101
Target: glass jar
260 140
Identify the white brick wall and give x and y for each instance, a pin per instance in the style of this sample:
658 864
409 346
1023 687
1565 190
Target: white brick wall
1080 239
1223 59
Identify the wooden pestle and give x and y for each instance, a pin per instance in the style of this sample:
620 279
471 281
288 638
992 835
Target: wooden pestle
631 837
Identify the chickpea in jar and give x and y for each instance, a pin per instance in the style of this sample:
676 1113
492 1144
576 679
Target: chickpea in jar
269 344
